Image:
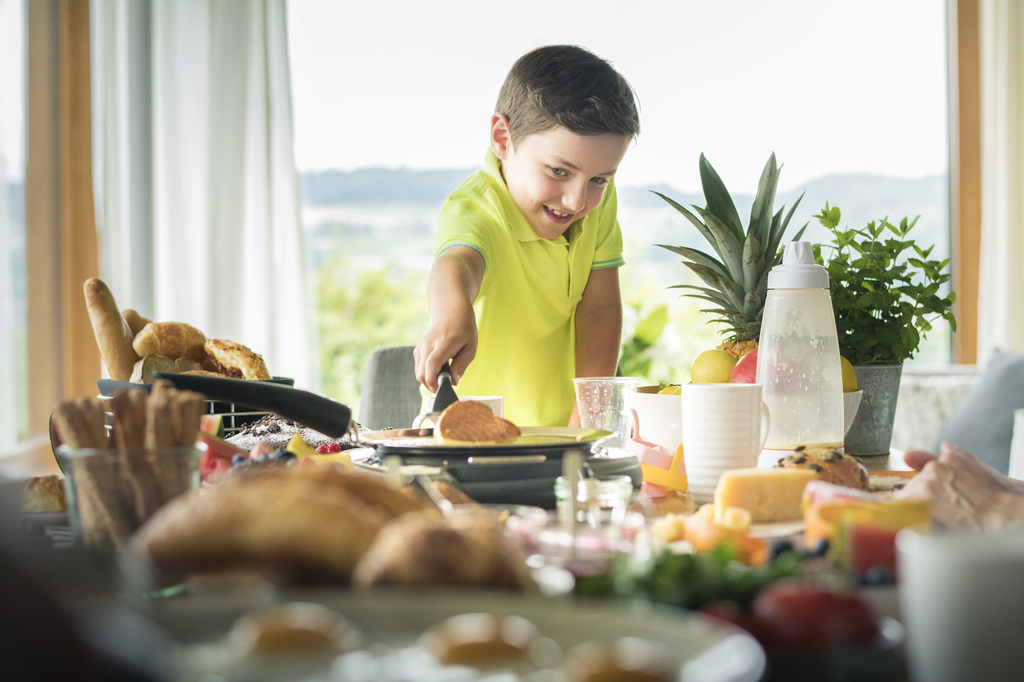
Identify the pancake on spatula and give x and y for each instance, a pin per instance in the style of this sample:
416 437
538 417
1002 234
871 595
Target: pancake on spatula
468 422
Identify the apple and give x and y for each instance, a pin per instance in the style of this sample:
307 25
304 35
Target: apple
745 369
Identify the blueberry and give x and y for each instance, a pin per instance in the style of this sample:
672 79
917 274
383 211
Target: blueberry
278 453
238 459
287 456
821 549
778 548
878 575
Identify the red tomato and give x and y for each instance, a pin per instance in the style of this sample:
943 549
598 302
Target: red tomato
800 617
729 612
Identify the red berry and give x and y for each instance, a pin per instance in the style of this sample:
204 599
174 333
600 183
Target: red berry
322 449
334 447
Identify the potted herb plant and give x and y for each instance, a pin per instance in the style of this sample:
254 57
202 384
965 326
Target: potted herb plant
886 291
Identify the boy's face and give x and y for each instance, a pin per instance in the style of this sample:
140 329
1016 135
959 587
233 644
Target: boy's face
556 176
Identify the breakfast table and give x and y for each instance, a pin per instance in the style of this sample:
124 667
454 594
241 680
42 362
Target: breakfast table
197 628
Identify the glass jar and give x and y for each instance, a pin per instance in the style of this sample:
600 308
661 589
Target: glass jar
600 502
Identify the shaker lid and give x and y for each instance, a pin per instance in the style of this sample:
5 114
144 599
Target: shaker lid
798 269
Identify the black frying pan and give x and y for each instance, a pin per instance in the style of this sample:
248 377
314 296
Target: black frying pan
516 473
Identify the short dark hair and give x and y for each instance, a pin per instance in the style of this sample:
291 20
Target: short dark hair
569 86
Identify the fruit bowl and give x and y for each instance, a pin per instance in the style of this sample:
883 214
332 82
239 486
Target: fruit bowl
851 403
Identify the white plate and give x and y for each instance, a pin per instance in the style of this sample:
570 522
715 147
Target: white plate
779 529
706 650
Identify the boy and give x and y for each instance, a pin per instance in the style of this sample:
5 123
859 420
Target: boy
524 290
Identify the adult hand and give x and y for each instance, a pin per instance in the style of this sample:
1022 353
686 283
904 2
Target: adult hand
916 459
964 492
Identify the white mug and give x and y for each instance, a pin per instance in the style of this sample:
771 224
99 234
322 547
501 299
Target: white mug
961 597
495 402
725 427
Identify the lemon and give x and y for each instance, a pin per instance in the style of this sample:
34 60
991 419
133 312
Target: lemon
712 367
670 390
849 376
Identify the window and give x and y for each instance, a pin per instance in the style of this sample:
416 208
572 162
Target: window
13 321
391 112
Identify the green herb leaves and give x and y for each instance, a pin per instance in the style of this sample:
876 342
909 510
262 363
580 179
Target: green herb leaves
886 291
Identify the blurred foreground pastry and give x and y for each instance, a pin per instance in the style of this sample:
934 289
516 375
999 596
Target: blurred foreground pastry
297 524
44 494
464 548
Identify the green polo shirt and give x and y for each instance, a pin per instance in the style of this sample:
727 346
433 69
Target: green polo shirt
527 304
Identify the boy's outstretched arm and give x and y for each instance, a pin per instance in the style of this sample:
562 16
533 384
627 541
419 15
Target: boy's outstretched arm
598 329
454 283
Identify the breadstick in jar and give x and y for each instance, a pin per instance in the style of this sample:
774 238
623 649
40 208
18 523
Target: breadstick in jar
113 335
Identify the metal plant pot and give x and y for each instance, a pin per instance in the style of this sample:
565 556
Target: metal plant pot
871 432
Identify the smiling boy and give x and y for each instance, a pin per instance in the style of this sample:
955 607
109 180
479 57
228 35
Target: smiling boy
524 290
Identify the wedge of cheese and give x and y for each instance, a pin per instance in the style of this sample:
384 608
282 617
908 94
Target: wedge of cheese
769 494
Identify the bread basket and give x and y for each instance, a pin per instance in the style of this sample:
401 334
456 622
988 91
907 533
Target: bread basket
234 416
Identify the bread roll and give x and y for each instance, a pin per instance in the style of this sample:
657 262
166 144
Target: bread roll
831 465
294 523
236 360
113 335
464 548
135 321
170 339
144 368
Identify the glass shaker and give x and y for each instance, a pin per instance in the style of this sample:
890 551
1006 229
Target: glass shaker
798 355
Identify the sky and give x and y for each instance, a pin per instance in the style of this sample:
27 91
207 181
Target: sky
829 86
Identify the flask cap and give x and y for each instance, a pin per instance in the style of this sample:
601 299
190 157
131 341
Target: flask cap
798 269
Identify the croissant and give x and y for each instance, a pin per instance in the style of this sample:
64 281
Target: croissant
170 339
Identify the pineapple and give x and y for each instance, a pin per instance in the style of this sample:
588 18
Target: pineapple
737 283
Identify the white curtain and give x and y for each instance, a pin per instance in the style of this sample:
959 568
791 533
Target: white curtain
1001 286
224 245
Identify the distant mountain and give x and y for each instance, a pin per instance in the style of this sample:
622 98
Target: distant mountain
857 194
379 185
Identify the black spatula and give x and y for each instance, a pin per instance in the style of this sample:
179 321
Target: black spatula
445 392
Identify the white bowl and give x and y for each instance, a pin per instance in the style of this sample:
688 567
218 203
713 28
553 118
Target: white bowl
851 403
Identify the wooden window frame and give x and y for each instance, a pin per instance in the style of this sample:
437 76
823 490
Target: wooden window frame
965 173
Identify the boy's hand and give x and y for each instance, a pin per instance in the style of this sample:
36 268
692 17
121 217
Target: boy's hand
454 284
446 340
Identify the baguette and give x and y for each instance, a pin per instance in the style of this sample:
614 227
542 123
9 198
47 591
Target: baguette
113 335
170 339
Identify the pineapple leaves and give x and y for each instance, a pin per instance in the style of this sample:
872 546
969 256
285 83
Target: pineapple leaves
726 244
779 229
738 283
698 257
718 198
732 291
764 201
753 261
